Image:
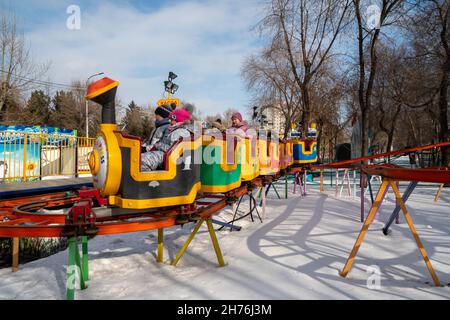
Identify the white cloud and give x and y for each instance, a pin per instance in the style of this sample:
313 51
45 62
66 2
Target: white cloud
203 42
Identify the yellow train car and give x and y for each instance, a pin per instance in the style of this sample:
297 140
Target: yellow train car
286 154
269 153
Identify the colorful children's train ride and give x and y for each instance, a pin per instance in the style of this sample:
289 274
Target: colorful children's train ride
208 162
207 165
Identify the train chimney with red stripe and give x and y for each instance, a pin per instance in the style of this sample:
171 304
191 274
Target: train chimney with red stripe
103 92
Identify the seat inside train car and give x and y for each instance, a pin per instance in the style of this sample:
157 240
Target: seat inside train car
249 158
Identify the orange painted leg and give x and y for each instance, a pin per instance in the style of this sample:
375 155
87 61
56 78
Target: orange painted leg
321 180
15 255
438 193
415 234
373 210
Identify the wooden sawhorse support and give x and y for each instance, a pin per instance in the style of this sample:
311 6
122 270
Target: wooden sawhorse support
373 210
345 178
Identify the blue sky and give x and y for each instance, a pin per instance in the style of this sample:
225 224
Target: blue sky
139 42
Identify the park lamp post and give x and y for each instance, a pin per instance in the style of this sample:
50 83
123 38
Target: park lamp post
87 103
169 86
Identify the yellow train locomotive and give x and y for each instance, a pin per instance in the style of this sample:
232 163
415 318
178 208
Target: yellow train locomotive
115 162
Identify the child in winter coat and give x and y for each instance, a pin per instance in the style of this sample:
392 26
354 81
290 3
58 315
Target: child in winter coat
162 124
178 128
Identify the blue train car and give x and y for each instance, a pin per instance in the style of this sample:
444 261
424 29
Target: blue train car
305 151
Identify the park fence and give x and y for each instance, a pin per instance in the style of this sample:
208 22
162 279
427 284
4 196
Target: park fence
32 156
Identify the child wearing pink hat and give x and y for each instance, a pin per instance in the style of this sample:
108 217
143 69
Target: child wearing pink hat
179 116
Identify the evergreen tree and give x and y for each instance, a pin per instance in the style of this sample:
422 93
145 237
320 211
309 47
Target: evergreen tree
11 114
147 128
132 122
65 111
37 109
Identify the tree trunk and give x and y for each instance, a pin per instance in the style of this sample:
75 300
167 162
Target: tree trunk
306 110
443 117
362 78
364 133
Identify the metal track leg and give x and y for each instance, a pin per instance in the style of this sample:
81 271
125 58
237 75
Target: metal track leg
215 242
160 255
188 241
321 180
85 258
395 214
15 254
286 185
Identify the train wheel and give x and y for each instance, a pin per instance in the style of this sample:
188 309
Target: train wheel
194 217
181 219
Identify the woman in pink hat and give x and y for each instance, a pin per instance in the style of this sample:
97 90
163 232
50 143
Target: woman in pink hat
238 124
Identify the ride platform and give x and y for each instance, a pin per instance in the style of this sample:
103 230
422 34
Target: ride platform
15 190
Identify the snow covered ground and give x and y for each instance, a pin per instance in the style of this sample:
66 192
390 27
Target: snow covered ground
296 253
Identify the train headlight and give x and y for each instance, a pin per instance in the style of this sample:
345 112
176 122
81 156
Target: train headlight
94 162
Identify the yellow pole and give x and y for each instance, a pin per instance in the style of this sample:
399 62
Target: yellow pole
415 234
365 227
4 155
321 180
215 242
160 245
186 244
14 157
24 173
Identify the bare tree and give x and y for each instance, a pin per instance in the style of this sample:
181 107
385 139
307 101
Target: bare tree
389 13
306 31
390 87
431 43
17 69
268 76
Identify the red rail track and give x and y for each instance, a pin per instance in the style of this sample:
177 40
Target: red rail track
342 164
18 222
